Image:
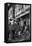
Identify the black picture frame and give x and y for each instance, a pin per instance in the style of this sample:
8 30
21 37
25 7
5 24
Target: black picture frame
6 22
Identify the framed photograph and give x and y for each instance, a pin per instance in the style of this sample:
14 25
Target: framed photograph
17 22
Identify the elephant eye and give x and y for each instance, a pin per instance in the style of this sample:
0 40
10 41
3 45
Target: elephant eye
10 19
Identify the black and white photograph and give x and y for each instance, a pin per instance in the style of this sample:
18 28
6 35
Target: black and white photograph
17 22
